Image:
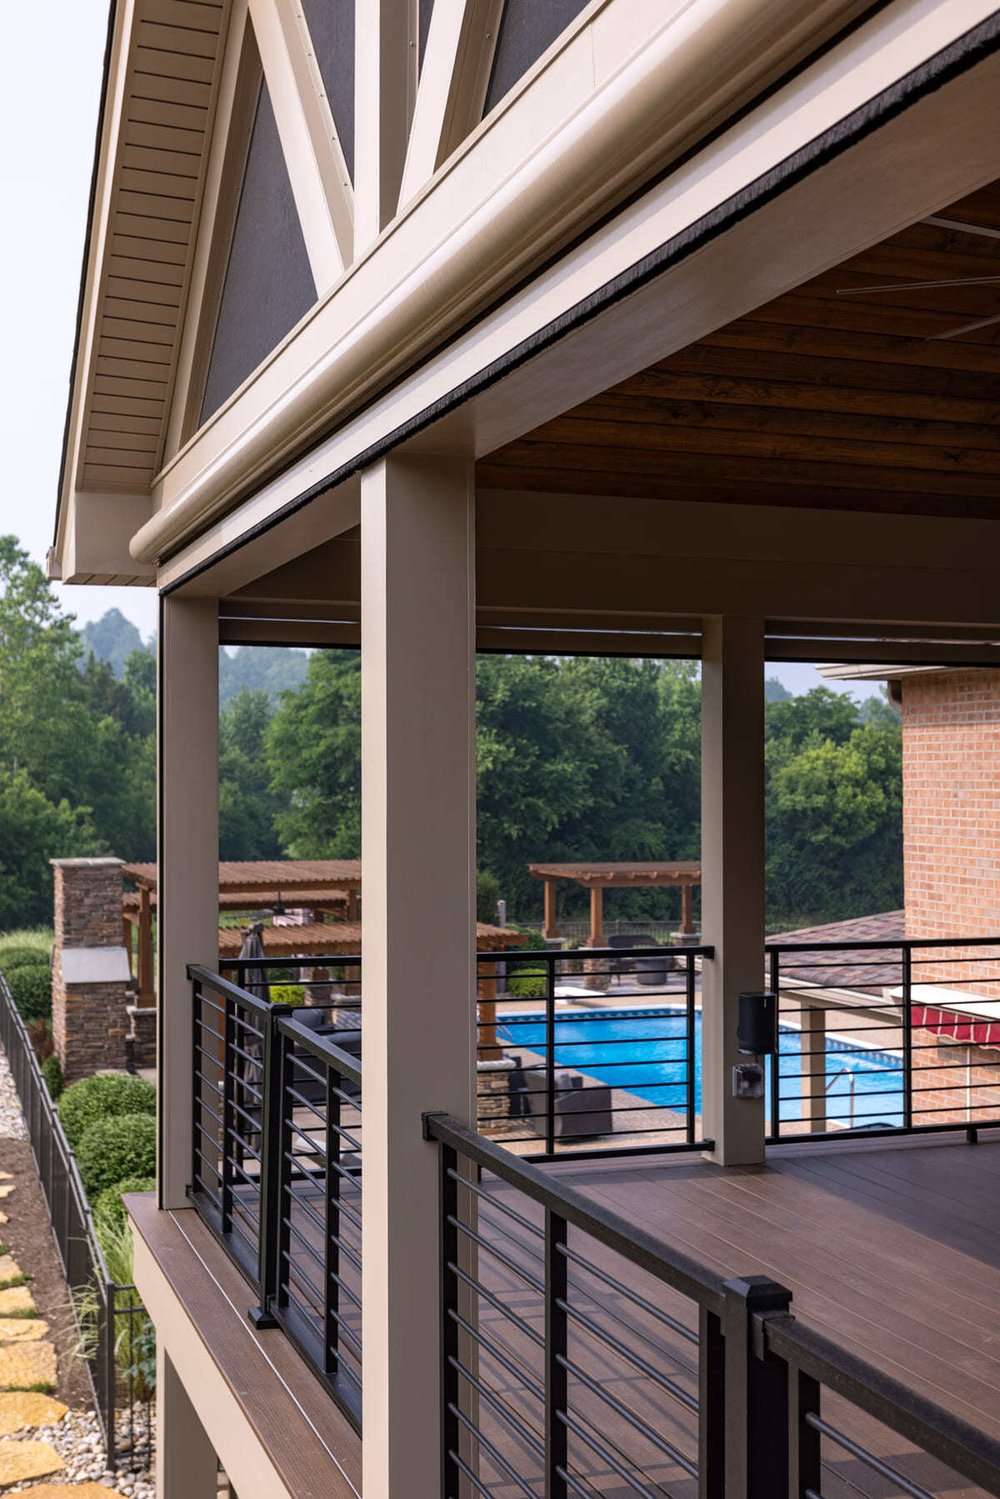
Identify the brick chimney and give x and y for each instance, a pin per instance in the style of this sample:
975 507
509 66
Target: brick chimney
90 967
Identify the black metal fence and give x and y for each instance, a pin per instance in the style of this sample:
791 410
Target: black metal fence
276 1167
885 1036
582 1357
115 1340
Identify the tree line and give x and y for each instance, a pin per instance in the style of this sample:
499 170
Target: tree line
577 759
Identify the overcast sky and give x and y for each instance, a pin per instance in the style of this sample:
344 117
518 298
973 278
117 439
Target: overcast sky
49 134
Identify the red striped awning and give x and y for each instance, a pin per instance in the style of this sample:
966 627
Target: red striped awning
957 1026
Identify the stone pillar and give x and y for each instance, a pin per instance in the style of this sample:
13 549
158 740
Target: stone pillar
90 967
732 859
418 917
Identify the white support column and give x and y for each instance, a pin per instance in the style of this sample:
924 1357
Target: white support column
732 857
418 854
385 92
186 1465
188 893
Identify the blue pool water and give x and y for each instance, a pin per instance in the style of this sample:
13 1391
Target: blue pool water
644 1051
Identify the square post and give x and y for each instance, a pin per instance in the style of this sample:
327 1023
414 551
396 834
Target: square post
418 918
596 915
549 925
732 858
188 850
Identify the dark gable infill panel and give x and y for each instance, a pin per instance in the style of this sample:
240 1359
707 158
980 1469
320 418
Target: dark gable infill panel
527 29
269 284
331 27
975 47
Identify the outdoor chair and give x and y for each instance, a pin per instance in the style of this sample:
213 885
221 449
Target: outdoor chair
625 940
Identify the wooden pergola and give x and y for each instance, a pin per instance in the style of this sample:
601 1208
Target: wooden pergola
597 878
331 886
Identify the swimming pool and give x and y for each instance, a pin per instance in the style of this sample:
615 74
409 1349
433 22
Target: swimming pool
644 1051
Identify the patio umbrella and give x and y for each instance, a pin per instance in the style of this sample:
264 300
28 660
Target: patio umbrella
254 980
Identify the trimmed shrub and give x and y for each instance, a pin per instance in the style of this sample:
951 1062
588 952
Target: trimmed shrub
115 1149
288 994
527 983
106 1097
53 1075
21 957
31 990
109 1210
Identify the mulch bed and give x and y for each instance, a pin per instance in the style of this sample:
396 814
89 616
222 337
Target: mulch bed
28 1235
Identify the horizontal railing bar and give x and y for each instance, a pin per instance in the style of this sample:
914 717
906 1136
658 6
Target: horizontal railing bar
612 1462
495 1202
516 1422
881 944
499 1352
877 1464
492 1454
216 984
531 1281
629 1416
941 1434
616 1233
608 1340
630 1295
321 1047
479 1289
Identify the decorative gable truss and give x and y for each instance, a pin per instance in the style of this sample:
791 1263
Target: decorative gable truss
379 91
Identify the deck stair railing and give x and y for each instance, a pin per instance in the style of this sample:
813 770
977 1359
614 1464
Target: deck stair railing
885 1036
276 1169
582 1357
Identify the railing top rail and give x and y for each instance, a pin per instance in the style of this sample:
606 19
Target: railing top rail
942 1435
218 985
675 1269
515 954
322 1047
880 944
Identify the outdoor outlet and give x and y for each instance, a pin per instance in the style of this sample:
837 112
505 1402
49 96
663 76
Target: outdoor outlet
748 1080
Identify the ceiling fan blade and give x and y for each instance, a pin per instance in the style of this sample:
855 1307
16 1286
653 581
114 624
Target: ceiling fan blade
960 224
985 322
870 291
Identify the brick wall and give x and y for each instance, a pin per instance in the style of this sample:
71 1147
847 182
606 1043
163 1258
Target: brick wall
951 859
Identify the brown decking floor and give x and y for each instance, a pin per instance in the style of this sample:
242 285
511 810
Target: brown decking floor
892 1248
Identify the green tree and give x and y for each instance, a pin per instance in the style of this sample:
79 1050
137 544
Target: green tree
313 748
33 830
247 803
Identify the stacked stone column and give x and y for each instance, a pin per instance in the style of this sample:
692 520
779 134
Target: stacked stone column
90 973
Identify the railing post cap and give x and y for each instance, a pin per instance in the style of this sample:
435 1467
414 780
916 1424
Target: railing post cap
759 1292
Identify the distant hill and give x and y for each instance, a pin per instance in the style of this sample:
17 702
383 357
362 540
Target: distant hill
775 691
273 669
113 638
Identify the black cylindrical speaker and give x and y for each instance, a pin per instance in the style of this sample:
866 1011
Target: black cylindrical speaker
757 1028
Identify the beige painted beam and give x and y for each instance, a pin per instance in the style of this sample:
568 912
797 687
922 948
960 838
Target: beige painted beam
732 861
317 169
418 850
461 42
385 90
188 854
186 1465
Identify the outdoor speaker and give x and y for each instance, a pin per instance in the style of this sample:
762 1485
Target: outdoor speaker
757 1029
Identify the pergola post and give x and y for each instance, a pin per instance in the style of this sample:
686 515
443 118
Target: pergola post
144 977
732 858
549 927
418 918
687 909
188 856
596 915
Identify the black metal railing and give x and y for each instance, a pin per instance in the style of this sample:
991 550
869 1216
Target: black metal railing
885 1036
276 1167
115 1337
582 1357
586 1050
577 1052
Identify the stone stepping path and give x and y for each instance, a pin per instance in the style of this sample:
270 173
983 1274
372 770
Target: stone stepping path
27 1372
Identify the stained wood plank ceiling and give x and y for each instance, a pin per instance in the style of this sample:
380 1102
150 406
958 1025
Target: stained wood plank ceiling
162 157
816 399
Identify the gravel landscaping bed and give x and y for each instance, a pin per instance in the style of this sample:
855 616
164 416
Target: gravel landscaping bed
77 1439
